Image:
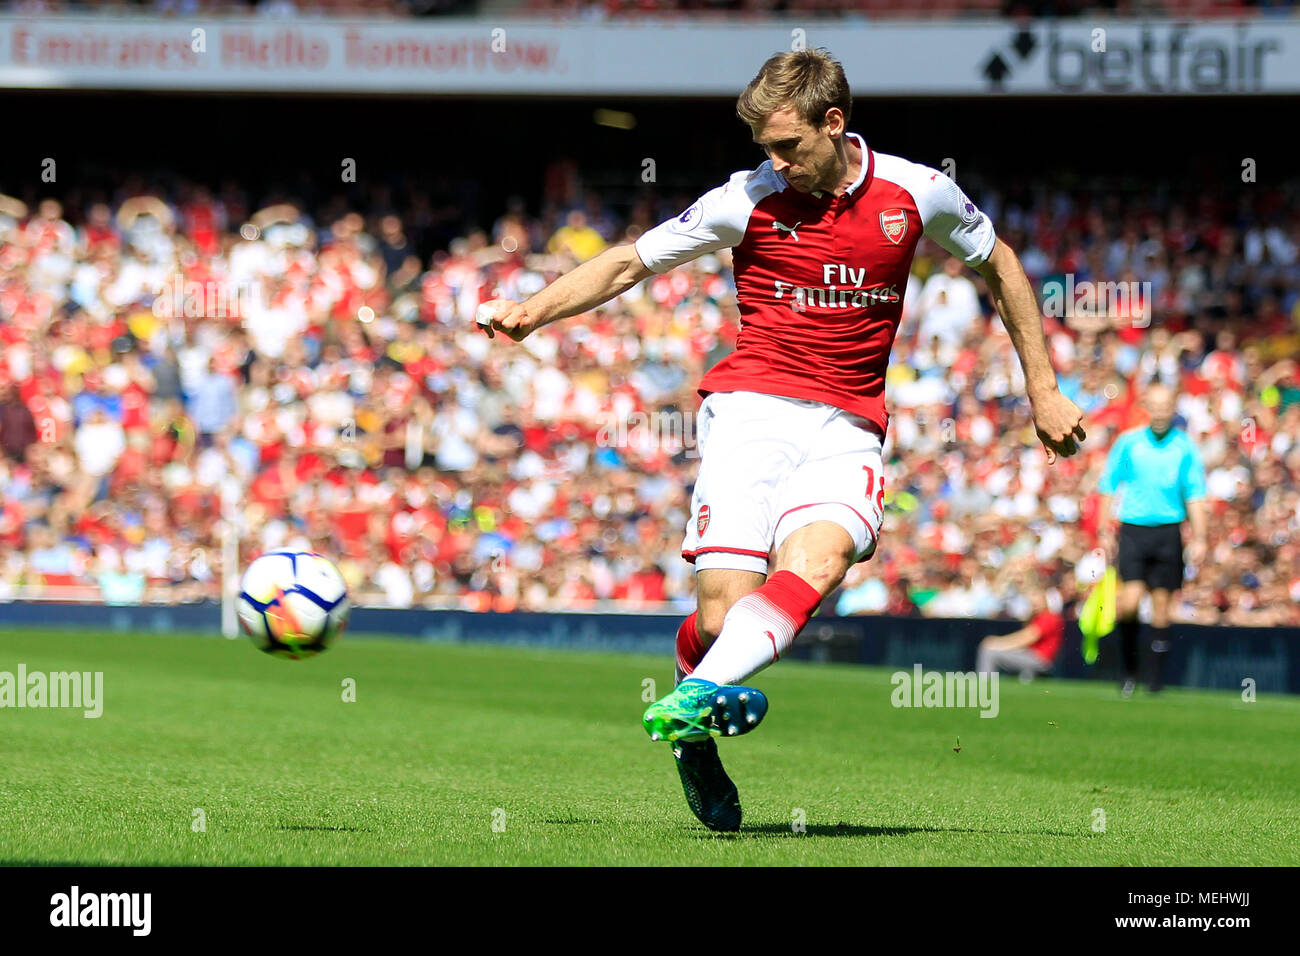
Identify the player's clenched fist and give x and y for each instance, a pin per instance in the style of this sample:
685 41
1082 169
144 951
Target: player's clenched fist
504 315
1059 423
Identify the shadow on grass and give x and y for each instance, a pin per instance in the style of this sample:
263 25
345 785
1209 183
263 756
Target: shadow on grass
854 830
329 829
21 862
575 820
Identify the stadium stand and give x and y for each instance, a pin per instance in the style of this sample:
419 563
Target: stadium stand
912 9
270 9
596 10
317 370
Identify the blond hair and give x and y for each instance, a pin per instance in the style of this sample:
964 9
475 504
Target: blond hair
811 81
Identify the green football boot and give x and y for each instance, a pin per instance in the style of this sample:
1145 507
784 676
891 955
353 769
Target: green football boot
699 709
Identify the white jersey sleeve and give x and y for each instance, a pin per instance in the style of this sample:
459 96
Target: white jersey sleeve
717 220
949 217
955 222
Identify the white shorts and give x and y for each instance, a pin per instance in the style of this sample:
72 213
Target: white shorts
771 465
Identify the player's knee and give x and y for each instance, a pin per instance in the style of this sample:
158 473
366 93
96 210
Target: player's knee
822 571
820 553
837 568
716 593
711 617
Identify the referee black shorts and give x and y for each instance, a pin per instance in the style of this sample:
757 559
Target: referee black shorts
1152 554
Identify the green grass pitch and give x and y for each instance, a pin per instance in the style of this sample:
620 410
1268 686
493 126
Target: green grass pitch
496 756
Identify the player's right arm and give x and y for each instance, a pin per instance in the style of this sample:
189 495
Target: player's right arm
593 283
717 220
1113 475
1105 527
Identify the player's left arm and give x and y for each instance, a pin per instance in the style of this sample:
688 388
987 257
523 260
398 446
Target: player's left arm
1058 420
1198 512
955 222
1199 515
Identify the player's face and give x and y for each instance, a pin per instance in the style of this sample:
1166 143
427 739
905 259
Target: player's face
803 155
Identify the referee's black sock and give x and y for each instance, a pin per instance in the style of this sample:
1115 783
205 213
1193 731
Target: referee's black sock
1128 644
1161 642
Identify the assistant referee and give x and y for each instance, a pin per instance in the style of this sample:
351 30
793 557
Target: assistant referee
1158 475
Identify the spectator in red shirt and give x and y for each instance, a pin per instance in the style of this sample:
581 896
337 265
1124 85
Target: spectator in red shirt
1029 651
17 426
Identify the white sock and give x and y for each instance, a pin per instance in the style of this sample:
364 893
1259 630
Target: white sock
755 633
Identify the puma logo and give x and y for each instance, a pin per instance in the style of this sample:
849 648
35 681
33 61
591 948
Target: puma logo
790 229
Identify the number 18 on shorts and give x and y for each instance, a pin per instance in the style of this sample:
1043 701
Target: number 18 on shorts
771 465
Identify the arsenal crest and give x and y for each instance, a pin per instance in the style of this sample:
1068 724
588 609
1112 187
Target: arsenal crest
893 223
702 521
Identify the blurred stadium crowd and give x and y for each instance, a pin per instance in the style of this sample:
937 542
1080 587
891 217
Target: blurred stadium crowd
911 9
271 9
596 10
179 367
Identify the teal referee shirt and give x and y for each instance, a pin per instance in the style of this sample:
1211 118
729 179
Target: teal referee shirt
1155 476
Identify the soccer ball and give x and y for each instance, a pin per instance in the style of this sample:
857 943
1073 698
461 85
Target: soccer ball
293 603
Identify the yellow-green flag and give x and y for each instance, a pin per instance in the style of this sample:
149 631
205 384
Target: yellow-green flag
1097 619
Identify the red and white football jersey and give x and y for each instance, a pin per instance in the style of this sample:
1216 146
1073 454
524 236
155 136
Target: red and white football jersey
820 278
